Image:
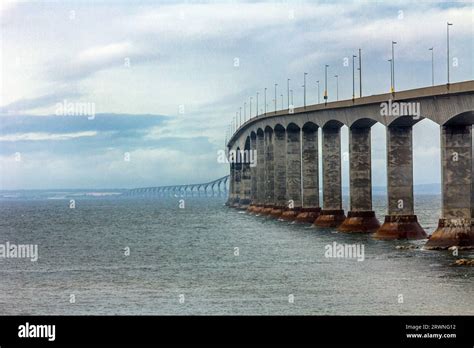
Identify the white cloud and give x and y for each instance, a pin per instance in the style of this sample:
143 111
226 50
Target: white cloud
37 136
6 5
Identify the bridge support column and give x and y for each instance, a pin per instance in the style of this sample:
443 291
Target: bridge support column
238 183
401 222
279 161
260 172
456 226
293 172
332 214
310 210
269 172
245 184
361 217
253 174
231 199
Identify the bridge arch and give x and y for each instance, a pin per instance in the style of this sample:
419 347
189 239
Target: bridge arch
403 121
464 118
292 127
309 126
335 124
365 122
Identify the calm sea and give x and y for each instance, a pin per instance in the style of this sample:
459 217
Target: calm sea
209 259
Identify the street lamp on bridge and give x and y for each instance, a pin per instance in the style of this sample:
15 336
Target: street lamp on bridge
353 76
304 89
288 91
337 86
276 84
318 92
432 65
447 44
281 101
393 65
326 84
391 76
360 73
245 110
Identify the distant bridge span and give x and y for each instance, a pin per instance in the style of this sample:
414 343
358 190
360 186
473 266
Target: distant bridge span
213 188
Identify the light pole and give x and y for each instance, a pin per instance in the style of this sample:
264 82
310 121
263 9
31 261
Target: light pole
256 110
318 92
281 101
391 76
432 65
337 86
265 100
240 115
245 110
304 89
276 84
447 43
353 77
288 90
360 73
393 66
326 84
291 94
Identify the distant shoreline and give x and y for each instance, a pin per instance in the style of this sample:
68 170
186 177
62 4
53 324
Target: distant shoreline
421 189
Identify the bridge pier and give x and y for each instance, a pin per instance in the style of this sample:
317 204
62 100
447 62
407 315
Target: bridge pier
230 200
332 214
361 217
253 175
238 180
269 172
293 172
246 181
233 186
456 226
310 210
260 172
279 166
401 222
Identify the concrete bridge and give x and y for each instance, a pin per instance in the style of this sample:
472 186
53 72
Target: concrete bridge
213 188
284 182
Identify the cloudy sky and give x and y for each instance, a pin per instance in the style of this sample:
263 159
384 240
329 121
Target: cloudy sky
164 84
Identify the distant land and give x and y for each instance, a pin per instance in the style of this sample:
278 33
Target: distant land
422 189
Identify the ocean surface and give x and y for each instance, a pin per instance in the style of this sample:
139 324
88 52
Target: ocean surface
186 262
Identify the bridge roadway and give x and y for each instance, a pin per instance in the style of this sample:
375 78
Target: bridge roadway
284 182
